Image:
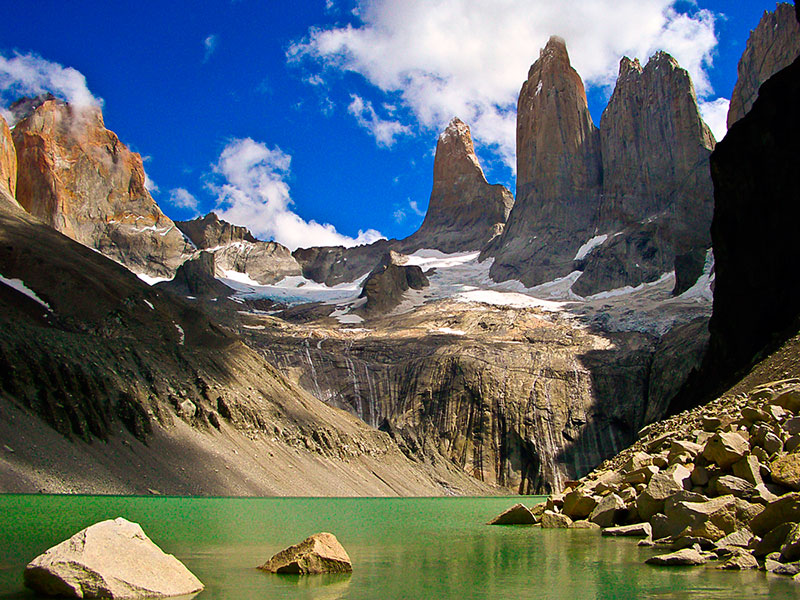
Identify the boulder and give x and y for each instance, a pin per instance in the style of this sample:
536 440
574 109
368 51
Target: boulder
785 471
726 448
736 486
579 504
685 557
773 540
739 561
607 511
554 520
712 519
740 538
642 530
662 485
320 553
584 525
790 550
788 399
749 469
519 514
783 510
110 559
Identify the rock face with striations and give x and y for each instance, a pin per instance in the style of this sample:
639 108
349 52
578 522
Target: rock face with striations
78 177
559 173
773 45
8 163
235 249
464 211
657 193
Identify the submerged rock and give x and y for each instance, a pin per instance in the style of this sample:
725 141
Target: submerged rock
320 553
686 557
110 559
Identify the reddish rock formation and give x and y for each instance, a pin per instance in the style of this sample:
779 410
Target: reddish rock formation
773 45
78 177
558 173
8 163
464 211
657 192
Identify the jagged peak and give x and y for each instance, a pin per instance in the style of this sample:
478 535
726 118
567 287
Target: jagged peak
662 58
555 51
628 66
455 129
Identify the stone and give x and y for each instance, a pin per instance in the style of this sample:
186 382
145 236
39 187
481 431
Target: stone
754 415
110 559
607 511
773 45
464 211
643 530
641 475
519 514
792 443
79 178
683 451
773 540
749 469
790 550
792 426
729 484
741 538
637 461
662 485
685 557
554 520
584 525
791 569
700 476
788 399
385 285
711 423
739 561
579 504
785 471
320 553
712 519
724 449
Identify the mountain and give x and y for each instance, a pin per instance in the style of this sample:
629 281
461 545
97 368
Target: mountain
559 173
235 249
8 164
773 45
657 195
464 211
78 177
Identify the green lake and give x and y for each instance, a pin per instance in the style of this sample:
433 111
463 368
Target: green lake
414 548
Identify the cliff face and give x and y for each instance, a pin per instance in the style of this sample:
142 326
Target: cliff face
773 45
76 176
8 164
464 211
657 193
235 249
559 173
385 285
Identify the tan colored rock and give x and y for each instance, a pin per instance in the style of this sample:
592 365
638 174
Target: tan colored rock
712 519
519 514
700 476
584 525
792 426
320 553
110 559
464 210
783 510
740 560
642 475
724 449
662 485
785 470
607 511
772 45
749 469
637 461
683 451
553 520
736 486
685 557
773 540
788 399
740 538
579 504
78 177
643 530
8 164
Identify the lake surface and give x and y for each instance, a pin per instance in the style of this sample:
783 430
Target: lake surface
414 548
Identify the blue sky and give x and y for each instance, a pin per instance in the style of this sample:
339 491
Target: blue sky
315 122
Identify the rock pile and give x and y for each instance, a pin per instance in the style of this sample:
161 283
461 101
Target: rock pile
720 482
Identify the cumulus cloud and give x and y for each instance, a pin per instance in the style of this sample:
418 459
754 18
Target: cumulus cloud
469 57
383 130
254 193
210 45
31 75
183 198
715 114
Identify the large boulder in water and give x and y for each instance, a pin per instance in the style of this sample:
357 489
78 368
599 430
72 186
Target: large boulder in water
110 559
519 514
320 553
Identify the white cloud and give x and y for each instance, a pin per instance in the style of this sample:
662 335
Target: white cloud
415 207
255 194
149 184
715 114
31 75
383 130
210 45
182 198
399 216
469 57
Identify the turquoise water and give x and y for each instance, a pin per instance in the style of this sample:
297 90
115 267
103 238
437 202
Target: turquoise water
414 548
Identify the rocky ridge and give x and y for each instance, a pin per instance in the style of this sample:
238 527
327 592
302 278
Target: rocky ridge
384 286
79 178
8 164
464 211
773 45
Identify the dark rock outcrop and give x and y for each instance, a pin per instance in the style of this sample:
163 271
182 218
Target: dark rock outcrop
559 174
657 194
235 249
464 212
385 286
332 265
76 176
195 278
773 45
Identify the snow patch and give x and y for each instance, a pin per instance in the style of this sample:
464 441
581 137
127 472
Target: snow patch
448 331
593 243
149 279
294 290
150 304
510 299
630 289
19 285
